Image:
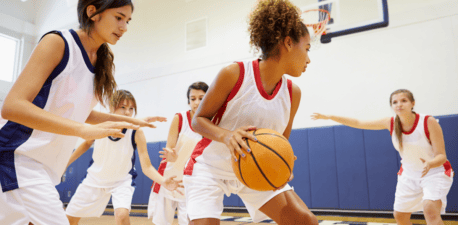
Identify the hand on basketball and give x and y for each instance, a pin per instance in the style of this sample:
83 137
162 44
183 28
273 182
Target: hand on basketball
170 155
235 140
318 116
172 185
426 168
105 129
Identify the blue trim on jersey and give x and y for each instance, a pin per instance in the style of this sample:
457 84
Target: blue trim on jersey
13 135
83 52
132 171
117 139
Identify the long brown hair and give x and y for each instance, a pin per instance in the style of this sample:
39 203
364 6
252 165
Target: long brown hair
397 120
271 22
119 96
104 82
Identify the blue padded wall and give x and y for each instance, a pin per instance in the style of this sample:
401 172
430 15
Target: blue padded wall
351 168
337 167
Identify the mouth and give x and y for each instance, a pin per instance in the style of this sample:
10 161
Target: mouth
117 35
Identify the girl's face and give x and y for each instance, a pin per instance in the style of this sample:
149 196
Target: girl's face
401 104
125 108
298 57
195 97
112 23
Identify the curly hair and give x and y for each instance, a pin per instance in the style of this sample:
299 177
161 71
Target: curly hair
270 22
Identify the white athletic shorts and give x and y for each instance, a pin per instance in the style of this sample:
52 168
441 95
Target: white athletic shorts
91 201
39 204
204 197
410 193
162 210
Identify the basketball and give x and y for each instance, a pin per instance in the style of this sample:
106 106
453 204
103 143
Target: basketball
270 163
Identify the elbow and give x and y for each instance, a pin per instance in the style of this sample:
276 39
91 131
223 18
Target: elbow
6 112
195 124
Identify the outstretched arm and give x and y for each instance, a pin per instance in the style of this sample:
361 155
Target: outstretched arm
169 153
18 106
80 151
148 169
380 124
97 117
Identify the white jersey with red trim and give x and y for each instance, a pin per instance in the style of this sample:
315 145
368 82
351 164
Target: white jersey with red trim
415 145
184 129
247 104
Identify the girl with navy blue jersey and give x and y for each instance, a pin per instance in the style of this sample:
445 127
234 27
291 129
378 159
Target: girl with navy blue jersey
47 108
112 171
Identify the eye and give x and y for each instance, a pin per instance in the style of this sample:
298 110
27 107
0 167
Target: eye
118 18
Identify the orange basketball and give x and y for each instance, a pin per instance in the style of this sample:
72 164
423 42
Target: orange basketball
270 163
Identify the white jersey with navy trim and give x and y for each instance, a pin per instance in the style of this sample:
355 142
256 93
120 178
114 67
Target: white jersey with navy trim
113 161
28 156
247 104
416 145
184 129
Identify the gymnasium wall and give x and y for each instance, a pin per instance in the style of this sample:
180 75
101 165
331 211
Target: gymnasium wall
337 168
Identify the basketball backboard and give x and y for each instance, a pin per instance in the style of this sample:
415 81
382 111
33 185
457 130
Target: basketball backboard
349 16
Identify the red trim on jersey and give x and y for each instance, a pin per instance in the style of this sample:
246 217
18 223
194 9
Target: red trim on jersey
391 126
188 113
417 118
198 150
400 170
217 118
448 168
426 128
160 170
257 78
180 122
290 89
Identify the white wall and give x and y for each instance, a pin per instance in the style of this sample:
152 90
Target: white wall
352 76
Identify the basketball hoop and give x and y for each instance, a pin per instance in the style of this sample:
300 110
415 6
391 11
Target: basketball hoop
317 19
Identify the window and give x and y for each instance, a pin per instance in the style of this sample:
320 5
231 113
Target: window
8 56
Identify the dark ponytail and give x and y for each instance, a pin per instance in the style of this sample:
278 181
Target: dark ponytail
104 82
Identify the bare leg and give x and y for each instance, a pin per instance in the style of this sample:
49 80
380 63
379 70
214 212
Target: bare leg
205 221
432 212
73 220
402 218
288 208
122 216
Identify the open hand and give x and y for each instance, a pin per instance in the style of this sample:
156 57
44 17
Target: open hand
426 168
172 185
235 140
105 129
170 155
318 116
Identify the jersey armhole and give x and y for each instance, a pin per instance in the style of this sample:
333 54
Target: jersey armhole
234 92
134 144
426 128
290 90
180 122
391 126
63 63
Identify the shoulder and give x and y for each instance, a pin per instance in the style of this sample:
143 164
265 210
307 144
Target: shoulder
230 73
431 121
138 133
53 40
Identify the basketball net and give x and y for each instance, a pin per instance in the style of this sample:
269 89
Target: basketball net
316 21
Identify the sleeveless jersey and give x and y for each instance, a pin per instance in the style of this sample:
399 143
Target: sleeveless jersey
184 129
30 157
113 161
247 104
416 144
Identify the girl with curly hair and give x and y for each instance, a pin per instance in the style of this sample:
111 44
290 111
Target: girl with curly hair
246 95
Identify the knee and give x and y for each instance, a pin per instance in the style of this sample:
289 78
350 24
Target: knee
431 213
122 215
